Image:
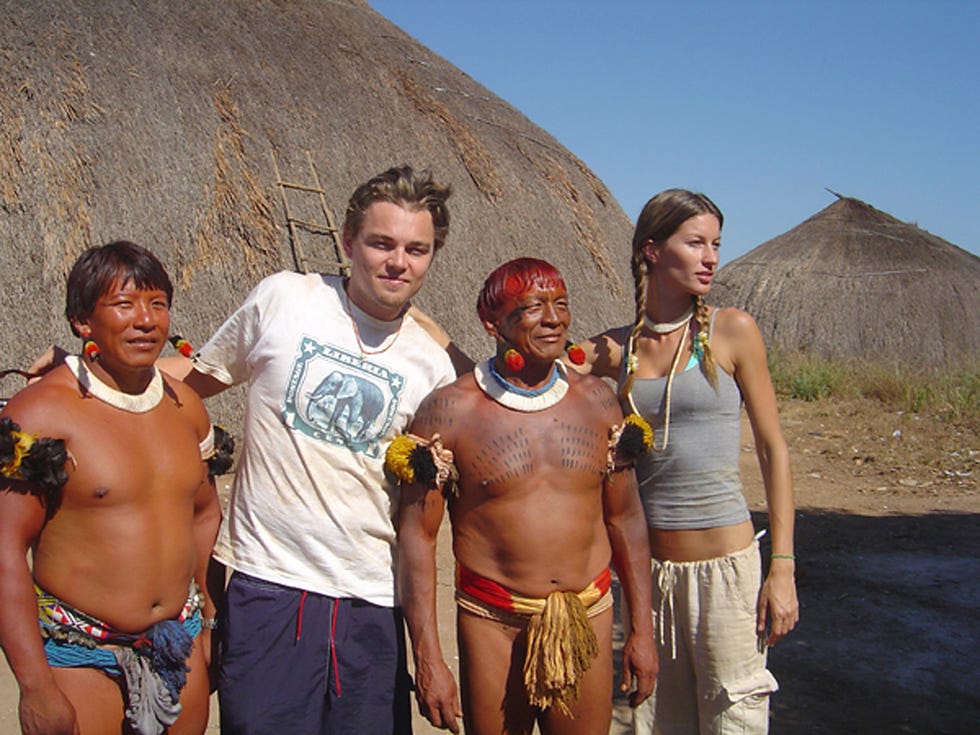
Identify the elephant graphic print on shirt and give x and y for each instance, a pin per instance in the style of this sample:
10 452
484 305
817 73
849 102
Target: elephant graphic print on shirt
338 397
348 403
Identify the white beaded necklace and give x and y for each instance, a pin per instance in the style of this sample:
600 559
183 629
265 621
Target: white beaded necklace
131 402
668 327
519 400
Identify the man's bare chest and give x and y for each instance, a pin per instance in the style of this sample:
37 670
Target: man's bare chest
126 461
505 452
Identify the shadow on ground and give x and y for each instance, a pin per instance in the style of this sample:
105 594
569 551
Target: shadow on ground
887 642
888 636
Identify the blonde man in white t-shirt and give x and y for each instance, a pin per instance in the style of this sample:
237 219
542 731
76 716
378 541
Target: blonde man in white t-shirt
336 367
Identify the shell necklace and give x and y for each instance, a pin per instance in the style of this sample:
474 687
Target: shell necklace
668 327
519 399
132 402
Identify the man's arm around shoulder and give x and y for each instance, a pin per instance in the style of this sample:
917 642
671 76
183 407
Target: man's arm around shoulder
202 383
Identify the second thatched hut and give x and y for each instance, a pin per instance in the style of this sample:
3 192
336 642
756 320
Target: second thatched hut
855 282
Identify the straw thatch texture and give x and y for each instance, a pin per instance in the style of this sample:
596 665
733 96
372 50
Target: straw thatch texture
162 122
852 281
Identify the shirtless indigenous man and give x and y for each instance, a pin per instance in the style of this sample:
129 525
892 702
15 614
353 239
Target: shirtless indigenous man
541 503
103 633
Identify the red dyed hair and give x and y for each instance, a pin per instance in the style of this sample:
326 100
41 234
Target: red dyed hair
513 280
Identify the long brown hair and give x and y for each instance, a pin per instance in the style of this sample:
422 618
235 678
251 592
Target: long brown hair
660 218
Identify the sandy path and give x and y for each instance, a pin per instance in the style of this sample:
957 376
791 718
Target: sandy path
889 597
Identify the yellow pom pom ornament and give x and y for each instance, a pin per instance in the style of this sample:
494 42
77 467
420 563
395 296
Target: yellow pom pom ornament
398 458
412 459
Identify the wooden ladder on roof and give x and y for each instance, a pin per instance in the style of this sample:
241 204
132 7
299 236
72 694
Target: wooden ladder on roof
334 261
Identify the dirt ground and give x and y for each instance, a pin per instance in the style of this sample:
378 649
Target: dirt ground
888 540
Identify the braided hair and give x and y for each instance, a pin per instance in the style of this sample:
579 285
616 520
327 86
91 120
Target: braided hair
660 218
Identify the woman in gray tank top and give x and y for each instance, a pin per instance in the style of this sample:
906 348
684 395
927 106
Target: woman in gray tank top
687 367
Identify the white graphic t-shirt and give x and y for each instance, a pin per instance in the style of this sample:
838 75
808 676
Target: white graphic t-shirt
310 506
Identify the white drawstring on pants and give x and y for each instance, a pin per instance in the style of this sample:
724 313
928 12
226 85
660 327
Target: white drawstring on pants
666 579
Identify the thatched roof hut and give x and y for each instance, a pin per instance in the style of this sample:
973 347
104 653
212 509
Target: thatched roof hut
853 281
170 123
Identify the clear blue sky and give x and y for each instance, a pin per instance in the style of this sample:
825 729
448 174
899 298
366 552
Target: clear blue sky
760 104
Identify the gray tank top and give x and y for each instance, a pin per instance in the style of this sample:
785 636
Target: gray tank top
694 482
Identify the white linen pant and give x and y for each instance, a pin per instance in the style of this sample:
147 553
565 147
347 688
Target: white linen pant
713 678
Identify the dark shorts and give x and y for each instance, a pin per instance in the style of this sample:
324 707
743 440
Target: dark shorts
295 662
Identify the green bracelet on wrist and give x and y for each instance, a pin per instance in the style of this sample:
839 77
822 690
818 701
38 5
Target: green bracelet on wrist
783 556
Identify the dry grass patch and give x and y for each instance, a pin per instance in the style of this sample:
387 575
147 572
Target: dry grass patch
949 393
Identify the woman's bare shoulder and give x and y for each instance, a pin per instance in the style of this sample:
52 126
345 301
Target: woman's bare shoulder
731 321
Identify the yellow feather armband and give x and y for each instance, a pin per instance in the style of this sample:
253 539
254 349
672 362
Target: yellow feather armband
628 442
41 461
412 459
